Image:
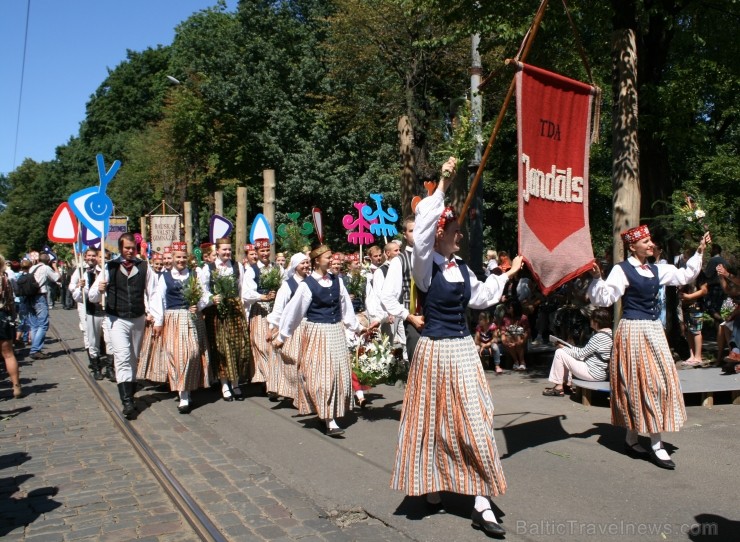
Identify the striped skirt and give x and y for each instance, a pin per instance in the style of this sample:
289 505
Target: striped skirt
445 440
228 339
187 351
261 349
646 393
284 366
153 361
324 371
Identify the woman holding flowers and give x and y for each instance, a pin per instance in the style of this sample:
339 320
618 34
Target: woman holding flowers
324 364
175 308
646 394
226 322
447 396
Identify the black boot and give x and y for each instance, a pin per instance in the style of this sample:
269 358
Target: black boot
97 365
108 366
126 391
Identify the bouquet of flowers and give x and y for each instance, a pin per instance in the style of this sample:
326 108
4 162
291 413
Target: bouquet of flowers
356 284
192 291
225 286
374 361
270 281
728 305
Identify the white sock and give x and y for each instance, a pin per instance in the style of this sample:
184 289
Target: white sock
225 389
482 504
658 447
331 424
360 395
631 438
184 398
237 390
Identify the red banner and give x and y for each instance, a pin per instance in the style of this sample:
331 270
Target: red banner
554 128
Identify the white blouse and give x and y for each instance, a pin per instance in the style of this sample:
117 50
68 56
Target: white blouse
428 211
296 309
604 293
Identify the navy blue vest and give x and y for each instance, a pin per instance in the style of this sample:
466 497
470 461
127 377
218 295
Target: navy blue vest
293 285
444 305
325 307
640 299
173 297
125 294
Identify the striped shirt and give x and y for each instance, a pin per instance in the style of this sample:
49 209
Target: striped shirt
596 354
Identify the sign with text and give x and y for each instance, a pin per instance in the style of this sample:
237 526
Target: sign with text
554 131
164 230
117 226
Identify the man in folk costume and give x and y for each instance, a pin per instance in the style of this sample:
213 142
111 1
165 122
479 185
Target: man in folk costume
226 323
447 397
167 258
286 362
76 288
396 294
646 393
375 310
126 283
259 304
177 319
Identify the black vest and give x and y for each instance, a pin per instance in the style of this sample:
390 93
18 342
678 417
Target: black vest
93 309
125 294
325 307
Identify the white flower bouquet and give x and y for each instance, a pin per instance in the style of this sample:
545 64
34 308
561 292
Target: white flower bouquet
375 361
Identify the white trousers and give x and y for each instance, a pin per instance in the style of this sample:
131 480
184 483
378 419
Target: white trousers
82 312
564 364
126 335
94 334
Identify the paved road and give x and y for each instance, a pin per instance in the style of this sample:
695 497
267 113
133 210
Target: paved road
263 473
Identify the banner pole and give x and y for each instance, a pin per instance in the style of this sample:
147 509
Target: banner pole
499 121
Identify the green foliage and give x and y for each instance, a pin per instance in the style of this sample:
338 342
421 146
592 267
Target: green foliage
271 280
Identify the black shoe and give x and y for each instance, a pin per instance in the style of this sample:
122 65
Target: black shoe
273 397
662 463
40 355
490 527
635 451
228 399
184 409
434 507
362 403
335 432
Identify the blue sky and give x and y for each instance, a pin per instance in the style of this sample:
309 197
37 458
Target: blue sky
71 44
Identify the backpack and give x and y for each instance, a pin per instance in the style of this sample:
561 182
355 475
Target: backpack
26 284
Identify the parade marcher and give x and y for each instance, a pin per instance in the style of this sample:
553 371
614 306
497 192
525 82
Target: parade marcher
90 258
46 274
7 330
285 364
646 394
167 258
396 294
157 263
447 396
258 303
126 283
184 344
324 364
226 323
94 313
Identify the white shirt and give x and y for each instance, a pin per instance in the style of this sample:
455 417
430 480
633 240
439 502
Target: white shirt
282 298
375 310
482 294
223 269
158 303
604 293
296 309
393 286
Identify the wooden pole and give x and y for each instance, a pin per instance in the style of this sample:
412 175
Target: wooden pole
142 228
268 207
499 121
241 222
218 203
187 209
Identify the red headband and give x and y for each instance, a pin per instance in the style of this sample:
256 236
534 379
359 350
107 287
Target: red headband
248 247
179 246
261 243
635 234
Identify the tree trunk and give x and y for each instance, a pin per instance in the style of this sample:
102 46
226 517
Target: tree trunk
408 175
625 149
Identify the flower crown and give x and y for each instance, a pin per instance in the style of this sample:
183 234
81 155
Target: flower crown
448 215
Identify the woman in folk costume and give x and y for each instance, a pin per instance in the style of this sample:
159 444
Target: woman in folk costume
153 365
258 304
646 394
445 439
324 363
226 324
183 332
285 360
